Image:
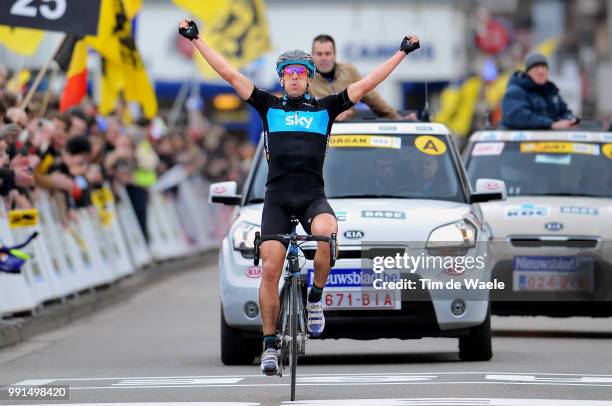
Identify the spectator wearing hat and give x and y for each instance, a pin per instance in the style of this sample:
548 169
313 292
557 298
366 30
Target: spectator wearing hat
532 102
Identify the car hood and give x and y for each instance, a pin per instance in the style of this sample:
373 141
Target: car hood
382 219
537 215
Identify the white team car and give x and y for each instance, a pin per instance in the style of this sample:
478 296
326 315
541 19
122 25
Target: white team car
552 236
400 193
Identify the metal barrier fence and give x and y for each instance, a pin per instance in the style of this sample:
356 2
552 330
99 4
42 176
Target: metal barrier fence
104 243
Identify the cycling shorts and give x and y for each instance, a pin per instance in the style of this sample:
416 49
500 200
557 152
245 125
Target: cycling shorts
284 199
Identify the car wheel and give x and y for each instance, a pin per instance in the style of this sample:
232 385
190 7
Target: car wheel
236 350
476 346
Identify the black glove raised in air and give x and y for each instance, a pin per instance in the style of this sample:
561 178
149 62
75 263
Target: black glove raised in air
191 32
408 46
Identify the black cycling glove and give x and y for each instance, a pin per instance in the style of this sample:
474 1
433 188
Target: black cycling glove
408 46
191 32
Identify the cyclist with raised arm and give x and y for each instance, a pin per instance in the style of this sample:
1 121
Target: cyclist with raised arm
296 133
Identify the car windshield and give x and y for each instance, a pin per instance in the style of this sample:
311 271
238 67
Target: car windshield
382 166
557 168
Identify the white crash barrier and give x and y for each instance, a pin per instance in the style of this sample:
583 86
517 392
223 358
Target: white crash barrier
116 241
58 246
218 216
201 220
137 245
45 282
15 293
104 243
166 239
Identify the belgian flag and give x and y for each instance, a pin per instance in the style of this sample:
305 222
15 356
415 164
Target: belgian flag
72 59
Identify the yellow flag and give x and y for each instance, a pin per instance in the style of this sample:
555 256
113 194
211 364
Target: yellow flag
132 7
458 105
18 81
111 83
204 11
495 91
449 102
235 28
23 41
113 25
137 87
470 92
123 69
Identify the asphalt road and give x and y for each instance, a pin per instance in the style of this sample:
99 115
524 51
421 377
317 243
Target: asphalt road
162 347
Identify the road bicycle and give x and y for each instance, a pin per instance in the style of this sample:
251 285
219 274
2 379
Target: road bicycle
292 316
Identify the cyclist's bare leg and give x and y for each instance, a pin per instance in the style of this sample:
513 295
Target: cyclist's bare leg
273 256
323 225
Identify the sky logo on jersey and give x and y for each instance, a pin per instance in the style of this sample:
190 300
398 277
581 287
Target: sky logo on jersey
303 121
297 120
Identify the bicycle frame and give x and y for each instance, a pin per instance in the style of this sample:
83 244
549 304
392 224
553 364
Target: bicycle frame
291 322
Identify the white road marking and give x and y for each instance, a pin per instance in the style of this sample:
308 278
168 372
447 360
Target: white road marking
304 380
266 385
177 381
450 402
300 374
157 404
552 379
365 378
34 382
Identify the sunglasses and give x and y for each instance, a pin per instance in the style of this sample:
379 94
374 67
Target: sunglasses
290 70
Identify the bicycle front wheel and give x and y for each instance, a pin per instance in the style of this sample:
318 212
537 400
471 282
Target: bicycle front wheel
293 331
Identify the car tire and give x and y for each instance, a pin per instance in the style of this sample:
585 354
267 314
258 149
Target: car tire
476 346
235 349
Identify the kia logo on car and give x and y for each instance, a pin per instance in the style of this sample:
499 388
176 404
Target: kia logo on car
353 234
553 226
219 189
492 185
253 272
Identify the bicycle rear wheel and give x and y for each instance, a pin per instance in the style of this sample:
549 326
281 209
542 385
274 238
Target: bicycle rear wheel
293 331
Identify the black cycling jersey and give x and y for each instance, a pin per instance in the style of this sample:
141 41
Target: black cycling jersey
296 131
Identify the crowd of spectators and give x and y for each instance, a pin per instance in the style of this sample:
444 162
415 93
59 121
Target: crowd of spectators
70 154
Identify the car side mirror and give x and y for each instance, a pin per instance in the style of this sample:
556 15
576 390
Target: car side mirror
489 190
224 193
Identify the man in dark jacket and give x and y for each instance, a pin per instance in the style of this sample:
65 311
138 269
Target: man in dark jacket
532 102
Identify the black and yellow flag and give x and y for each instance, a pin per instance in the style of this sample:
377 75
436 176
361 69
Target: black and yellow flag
123 70
235 28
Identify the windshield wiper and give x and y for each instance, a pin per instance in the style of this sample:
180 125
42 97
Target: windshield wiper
368 196
255 201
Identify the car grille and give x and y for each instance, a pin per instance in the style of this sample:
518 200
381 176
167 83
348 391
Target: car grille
534 242
358 253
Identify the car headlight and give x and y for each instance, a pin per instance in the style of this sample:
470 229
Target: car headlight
452 239
243 238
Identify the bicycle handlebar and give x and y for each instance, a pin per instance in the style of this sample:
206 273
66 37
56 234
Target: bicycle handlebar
287 238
